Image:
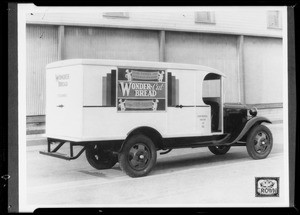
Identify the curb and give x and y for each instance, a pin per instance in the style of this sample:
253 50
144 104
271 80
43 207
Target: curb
36 142
31 132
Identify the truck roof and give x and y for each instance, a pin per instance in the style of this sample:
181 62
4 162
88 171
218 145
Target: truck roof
133 64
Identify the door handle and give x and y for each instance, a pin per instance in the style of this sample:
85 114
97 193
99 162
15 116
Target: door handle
179 106
61 106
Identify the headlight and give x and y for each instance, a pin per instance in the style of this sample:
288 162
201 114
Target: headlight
253 111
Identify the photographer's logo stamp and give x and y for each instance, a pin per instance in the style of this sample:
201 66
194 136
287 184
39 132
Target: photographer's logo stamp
266 186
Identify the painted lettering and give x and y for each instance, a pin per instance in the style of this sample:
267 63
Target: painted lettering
125 86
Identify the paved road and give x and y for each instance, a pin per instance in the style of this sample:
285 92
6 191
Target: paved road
184 177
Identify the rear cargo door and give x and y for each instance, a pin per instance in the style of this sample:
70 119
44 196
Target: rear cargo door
64 91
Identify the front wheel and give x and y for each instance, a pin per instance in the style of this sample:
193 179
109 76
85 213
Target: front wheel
219 150
259 142
138 156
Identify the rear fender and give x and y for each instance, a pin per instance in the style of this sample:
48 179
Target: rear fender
248 125
150 132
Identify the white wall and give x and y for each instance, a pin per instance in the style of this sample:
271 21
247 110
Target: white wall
236 20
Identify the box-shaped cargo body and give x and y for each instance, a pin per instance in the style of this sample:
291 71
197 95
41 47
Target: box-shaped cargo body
94 100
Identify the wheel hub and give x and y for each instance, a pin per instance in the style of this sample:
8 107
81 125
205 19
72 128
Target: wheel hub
261 142
139 156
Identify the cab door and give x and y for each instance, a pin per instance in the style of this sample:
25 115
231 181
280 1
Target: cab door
212 96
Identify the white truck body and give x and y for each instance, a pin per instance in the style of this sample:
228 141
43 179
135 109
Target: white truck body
78 107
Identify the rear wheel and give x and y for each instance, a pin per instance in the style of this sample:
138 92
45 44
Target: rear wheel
138 156
259 142
100 159
219 150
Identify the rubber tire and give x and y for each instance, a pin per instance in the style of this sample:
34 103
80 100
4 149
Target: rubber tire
218 151
250 146
123 155
106 159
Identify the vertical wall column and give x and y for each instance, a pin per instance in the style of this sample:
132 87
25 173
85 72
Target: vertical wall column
61 42
162 46
241 71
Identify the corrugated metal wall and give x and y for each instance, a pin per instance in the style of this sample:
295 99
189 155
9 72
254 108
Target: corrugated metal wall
262 56
216 51
41 49
263 70
85 42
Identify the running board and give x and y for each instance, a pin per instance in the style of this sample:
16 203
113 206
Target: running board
212 142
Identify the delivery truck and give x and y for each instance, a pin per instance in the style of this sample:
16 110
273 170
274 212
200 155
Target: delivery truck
120 111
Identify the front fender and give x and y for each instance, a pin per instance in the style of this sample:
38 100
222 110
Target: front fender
248 125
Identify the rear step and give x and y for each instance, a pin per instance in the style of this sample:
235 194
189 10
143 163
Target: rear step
62 156
54 153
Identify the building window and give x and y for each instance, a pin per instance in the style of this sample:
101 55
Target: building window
116 14
274 19
205 17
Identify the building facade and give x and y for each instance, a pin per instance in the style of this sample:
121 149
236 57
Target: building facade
245 44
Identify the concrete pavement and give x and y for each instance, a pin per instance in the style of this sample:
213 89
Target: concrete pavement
184 177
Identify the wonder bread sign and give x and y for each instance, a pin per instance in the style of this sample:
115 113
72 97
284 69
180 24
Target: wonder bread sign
140 90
